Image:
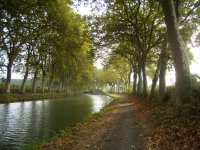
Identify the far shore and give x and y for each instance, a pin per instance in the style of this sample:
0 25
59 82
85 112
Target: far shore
9 98
17 97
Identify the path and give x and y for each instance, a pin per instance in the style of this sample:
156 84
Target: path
124 133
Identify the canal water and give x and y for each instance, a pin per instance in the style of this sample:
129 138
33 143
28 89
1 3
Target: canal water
23 123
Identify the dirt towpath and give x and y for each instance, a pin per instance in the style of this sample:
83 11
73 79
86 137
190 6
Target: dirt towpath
125 132
117 129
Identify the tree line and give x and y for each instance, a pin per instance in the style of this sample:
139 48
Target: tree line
49 41
46 40
152 36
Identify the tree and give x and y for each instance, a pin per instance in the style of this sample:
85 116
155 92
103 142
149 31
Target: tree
163 68
171 10
49 39
20 27
122 68
12 37
128 21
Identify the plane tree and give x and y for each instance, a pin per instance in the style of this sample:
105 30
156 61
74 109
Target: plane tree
49 38
123 68
127 21
176 13
144 16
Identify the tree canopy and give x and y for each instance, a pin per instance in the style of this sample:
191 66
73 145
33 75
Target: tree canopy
46 40
146 34
50 42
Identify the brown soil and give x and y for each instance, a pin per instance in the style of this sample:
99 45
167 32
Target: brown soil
116 128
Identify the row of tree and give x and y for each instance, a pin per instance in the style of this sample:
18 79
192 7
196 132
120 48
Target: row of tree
47 40
151 35
114 77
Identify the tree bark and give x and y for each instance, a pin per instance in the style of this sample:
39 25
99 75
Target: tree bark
8 79
26 72
144 76
183 83
49 89
50 83
129 78
43 80
134 81
118 89
35 79
60 87
155 79
24 81
51 75
163 68
139 85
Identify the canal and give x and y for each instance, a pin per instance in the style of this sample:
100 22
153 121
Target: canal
23 123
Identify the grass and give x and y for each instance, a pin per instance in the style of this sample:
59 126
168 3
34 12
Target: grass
34 146
38 144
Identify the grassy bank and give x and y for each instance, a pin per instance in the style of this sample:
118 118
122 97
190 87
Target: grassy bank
65 137
6 98
114 96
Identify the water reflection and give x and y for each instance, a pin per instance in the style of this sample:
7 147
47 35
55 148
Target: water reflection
98 104
24 122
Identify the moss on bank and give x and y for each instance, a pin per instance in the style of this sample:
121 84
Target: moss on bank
6 98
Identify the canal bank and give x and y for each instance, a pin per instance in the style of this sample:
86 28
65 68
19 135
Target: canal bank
9 98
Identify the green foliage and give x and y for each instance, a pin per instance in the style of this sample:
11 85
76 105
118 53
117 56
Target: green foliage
48 40
129 90
136 30
114 74
34 146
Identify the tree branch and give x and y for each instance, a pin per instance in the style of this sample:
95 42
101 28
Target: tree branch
189 13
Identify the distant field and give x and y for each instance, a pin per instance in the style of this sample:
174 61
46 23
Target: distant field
19 82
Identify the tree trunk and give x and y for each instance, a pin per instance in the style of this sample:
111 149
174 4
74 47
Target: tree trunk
35 79
112 88
60 87
24 81
163 68
27 70
134 81
66 91
155 79
139 86
49 89
1 26
43 80
129 78
50 84
183 83
118 89
8 79
144 76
